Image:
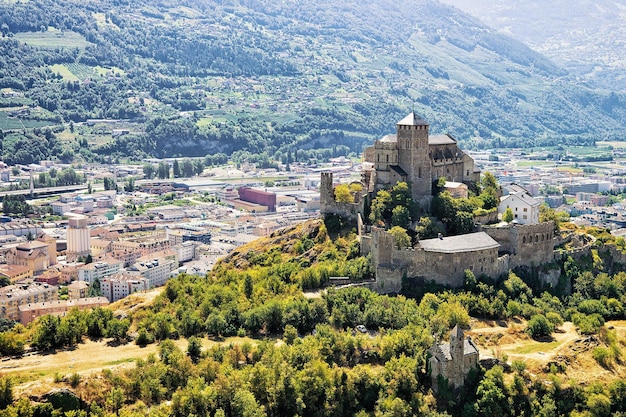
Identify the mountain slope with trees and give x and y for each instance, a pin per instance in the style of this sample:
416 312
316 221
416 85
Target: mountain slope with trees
198 77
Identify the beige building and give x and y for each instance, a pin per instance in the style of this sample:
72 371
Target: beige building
33 254
78 289
30 312
16 273
77 238
13 296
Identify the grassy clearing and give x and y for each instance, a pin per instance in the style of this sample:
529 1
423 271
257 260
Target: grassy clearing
536 347
64 72
53 38
614 144
8 123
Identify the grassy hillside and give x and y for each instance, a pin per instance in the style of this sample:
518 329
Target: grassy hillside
274 77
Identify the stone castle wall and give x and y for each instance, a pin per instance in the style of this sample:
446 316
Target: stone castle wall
527 244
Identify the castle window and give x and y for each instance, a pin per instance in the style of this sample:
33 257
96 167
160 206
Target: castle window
468 172
524 239
419 172
387 158
525 209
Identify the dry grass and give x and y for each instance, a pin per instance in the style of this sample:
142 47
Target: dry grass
567 354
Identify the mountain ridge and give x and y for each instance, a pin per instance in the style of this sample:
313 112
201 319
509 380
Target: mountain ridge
198 70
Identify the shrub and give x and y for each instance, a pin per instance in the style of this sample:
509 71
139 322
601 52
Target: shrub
539 326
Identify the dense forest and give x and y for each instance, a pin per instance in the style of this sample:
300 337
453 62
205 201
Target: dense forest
198 78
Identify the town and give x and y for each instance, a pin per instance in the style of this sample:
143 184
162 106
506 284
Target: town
93 246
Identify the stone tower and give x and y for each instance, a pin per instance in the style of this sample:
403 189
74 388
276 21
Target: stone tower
457 342
413 157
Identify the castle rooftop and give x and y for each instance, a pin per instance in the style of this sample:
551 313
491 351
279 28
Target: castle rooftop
458 244
412 119
441 140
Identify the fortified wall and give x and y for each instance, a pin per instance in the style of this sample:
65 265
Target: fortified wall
491 252
328 205
526 244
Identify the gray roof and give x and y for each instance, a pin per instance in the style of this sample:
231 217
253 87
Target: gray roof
458 244
442 351
441 140
398 170
390 138
412 119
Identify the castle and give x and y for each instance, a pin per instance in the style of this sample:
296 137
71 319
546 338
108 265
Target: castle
415 157
412 156
454 360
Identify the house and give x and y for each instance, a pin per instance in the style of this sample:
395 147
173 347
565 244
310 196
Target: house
524 206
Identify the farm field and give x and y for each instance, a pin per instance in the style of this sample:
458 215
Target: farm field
53 38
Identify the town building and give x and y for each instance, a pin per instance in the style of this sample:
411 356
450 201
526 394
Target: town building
78 238
78 289
120 285
525 207
16 273
32 254
98 270
31 311
13 296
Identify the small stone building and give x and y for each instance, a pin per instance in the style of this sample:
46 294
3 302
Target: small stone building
453 360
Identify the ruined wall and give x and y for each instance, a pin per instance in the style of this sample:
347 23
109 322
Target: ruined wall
328 205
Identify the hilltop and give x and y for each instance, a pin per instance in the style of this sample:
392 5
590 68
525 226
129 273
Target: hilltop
274 79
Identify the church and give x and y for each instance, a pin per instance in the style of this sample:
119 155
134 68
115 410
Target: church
413 156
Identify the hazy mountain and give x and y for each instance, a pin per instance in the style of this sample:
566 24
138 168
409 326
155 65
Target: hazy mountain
209 75
588 38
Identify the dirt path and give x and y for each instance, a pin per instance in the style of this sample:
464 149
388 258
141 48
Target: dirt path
516 345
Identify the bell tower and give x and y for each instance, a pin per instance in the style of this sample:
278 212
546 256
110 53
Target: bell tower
413 157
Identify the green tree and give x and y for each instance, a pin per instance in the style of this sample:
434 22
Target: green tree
539 326
117 329
492 397
194 349
163 170
148 171
508 215
176 169
400 237
6 391
343 194
400 216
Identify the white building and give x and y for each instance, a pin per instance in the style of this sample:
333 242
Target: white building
118 286
525 207
156 271
186 251
100 270
77 237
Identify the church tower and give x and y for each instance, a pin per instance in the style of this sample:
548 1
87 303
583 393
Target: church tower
457 342
413 157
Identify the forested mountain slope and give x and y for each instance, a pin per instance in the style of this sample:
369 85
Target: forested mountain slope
268 77
583 36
